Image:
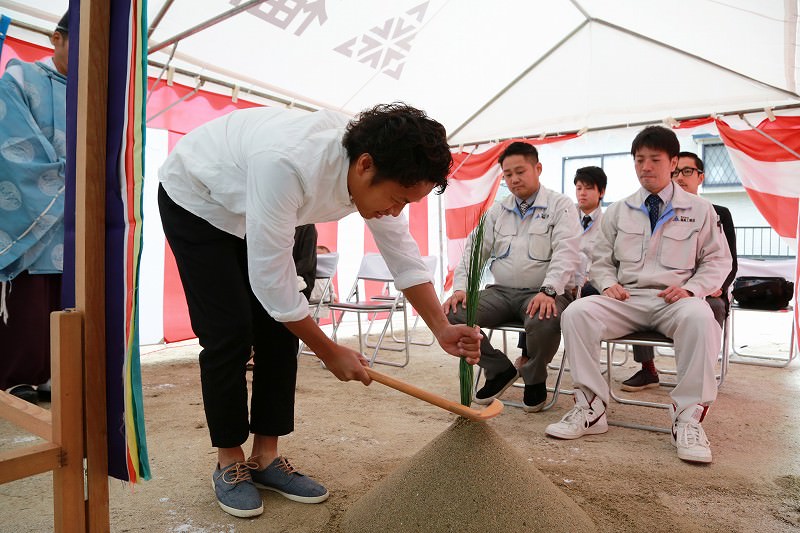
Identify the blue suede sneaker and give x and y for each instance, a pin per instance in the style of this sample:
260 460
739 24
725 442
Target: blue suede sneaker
235 491
281 477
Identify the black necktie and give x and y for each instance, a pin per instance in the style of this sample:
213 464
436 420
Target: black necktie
653 203
586 221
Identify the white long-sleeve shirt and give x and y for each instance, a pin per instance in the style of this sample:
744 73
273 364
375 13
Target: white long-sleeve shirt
261 172
588 239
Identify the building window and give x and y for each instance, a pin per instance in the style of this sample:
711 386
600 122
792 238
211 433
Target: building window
618 167
719 169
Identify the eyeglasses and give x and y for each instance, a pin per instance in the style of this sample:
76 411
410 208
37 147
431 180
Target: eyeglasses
686 171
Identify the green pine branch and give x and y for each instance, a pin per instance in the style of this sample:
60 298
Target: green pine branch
475 269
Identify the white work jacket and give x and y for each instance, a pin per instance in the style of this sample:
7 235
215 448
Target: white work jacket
685 250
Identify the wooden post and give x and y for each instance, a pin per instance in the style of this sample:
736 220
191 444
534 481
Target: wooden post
90 172
66 340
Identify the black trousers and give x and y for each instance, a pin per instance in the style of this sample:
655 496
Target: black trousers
229 321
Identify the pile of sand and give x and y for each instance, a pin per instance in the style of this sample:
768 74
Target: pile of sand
468 479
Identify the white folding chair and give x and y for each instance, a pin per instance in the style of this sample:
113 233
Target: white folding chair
431 262
373 268
750 358
326 269
556 389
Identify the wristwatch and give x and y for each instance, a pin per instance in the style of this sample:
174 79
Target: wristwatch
548 291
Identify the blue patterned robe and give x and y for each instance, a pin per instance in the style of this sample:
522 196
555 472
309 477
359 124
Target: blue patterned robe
32 167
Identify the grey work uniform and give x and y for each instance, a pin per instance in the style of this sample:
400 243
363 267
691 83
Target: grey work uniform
526 253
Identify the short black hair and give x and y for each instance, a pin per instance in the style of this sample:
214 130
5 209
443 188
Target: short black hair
524 149
657 138
594 176
63 24
697 161
406 145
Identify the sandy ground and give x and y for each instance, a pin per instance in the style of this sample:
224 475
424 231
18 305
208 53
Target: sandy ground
351 437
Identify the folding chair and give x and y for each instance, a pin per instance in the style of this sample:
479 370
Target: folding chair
373 268
775 360
326 269
431 261
556 390
655 339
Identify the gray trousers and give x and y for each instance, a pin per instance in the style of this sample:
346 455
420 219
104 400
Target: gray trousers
642 354
502 305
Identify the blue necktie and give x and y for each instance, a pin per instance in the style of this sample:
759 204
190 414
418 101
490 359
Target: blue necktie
653 203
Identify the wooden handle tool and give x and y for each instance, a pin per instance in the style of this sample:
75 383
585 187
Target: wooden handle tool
454 407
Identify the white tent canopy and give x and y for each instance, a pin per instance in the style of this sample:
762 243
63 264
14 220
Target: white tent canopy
486 70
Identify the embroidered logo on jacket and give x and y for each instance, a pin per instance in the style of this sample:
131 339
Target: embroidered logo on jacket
681 218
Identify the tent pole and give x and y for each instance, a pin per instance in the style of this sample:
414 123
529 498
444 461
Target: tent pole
516 80
205 25
159 16
629 125
696 57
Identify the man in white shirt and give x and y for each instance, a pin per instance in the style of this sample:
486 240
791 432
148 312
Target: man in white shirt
232 193
590 187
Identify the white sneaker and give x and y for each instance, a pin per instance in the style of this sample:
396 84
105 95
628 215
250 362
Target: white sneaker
580 420
689 437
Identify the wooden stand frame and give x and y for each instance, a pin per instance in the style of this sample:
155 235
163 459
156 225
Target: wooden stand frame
75 429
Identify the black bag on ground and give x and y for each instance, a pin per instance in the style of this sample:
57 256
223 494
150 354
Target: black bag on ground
756 292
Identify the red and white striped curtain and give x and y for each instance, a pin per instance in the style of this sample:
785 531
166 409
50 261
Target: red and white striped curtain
767 160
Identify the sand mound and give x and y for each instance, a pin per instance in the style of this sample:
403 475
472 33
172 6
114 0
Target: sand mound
468 479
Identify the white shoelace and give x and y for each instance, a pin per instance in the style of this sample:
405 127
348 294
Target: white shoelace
692 435
577 416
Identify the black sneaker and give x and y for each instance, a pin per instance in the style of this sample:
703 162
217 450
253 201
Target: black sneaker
496 386
643 379
534 398
24 392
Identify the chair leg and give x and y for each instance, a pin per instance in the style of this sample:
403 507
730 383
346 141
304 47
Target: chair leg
374 359
618 399
557 387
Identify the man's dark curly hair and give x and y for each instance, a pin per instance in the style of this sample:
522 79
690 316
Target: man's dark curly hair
406 145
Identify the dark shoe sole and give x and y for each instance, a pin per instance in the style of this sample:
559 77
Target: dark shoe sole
533 408
490 399
635 388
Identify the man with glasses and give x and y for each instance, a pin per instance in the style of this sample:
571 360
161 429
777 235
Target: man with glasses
658 254
689 175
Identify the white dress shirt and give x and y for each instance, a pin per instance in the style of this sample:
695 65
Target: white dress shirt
261 172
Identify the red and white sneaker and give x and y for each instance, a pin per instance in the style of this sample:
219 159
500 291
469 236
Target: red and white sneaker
583 419
688 435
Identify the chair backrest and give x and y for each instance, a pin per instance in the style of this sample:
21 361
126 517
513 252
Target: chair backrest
326 264
374 268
